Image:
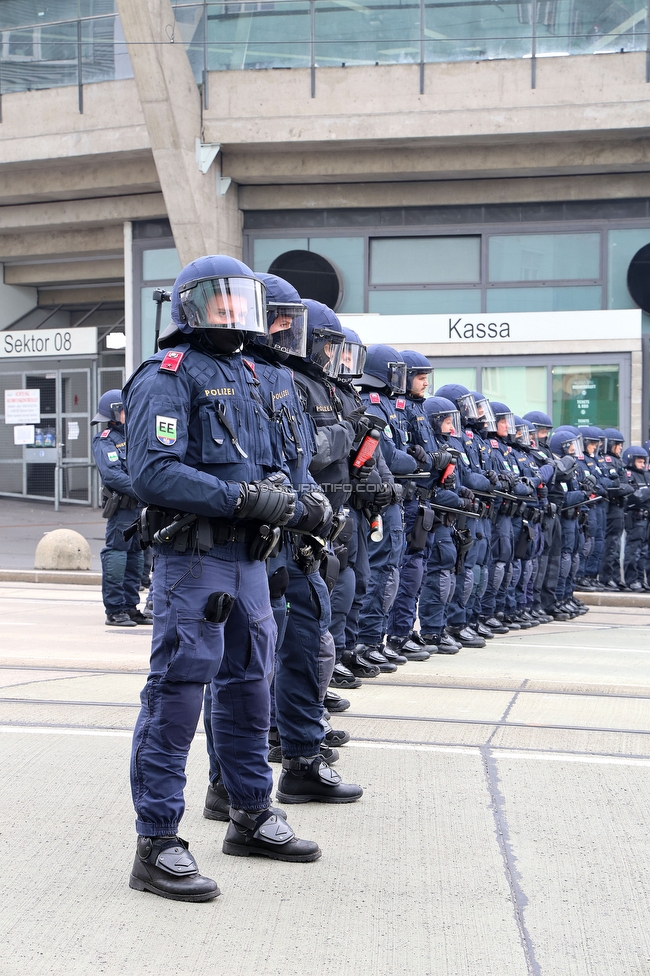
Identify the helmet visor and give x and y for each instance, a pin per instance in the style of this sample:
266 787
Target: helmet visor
573 446
116 411
522 435
224 303
510 420
287 328
486 413
326 348
468 407
353 358
396 373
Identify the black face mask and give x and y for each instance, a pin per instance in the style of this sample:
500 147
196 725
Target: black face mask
224 342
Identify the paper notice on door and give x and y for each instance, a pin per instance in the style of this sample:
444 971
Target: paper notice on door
73 430
24 434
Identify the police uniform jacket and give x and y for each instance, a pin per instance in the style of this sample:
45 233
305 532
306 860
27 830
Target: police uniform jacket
109 451
196 429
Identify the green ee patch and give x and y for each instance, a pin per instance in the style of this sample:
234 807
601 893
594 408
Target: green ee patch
166 430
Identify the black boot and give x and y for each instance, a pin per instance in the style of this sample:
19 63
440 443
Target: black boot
307 778
495 625
418 639
372 655
408 649
217 804
334 703
342 677
466 636
164 866
444 643
358 666
265 834
482 630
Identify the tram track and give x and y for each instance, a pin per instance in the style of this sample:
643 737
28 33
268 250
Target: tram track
430 720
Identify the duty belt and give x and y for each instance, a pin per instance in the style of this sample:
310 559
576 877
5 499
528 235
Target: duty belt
202 533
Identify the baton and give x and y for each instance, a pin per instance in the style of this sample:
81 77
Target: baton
159 296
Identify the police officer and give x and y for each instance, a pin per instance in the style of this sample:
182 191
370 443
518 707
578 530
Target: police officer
610 565
440 573
635 459
122 560
566 445
205 461
418 515
597 511
382 384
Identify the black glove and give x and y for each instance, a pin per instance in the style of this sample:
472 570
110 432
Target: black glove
362 474
466 493
565 465
266 502
507 479
449 482
317 516
355 415
492 477
542 493
642 495
418 452
529 483
465 505
589 482
440 460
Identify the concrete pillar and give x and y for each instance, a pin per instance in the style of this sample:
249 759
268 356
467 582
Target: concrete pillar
203 221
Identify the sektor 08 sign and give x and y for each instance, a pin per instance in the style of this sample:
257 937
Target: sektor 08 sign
48 342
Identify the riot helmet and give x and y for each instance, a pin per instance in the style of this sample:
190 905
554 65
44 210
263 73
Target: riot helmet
633 454
324 337
109 408
502 412
592 437
384 367
217 293
542 422
353 355
614 441
416 365
484 409
522 432
465 400
442 415
566 441
286 318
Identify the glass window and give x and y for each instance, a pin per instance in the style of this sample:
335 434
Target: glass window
523 388
544 257
425 260
347 253
374 32
558 299
585 395
463 375
460 31
266 251
257 35
160 264
622 245
425 301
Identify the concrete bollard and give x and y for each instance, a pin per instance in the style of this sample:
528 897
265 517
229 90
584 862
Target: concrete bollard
62 549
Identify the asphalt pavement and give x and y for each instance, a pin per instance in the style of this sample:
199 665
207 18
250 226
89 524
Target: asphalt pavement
503 830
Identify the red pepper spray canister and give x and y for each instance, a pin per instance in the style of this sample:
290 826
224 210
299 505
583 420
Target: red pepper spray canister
367 448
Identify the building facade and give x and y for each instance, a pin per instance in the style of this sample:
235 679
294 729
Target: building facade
470 180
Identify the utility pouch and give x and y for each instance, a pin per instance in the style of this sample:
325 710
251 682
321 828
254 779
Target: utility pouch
417 537
218 607
341 553
266 543
329 570
111 502
526 536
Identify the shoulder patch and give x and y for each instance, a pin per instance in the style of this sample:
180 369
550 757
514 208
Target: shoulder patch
470 434
400 403
166 430
374 398
494 442
172 361
250 365
105 432
112 456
